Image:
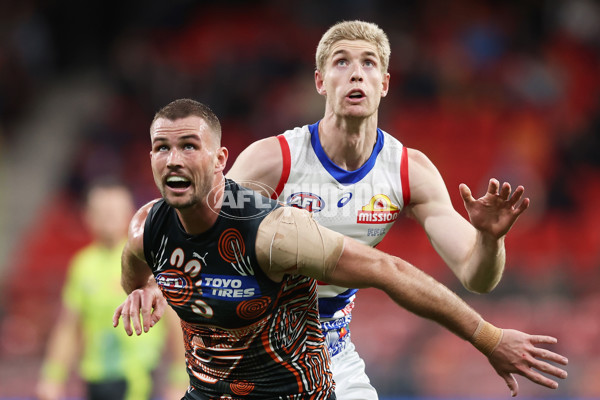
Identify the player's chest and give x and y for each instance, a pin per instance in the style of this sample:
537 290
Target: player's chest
364 211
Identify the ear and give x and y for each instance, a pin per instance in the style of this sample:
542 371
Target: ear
320 83
385 84
221 159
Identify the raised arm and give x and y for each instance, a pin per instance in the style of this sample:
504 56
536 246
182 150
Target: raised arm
290 241
137 280
474 251
259 166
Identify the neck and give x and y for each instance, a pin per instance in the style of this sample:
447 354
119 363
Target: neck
202 216
348 142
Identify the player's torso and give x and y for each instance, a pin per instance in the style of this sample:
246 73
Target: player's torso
361 204
236 321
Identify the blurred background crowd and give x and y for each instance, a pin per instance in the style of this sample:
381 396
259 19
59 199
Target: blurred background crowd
486 88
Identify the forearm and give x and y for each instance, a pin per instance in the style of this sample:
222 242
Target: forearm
62 348
422 295
483 269
362 266
135 273
131 281
477 259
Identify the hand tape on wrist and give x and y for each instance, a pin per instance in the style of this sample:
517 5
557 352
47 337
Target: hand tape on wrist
486 337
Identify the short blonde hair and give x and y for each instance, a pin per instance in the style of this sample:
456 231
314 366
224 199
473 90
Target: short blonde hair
354 30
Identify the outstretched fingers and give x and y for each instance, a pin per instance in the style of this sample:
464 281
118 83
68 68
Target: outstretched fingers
117 315
133 313
545 353
152 311
122 311
466 194
505 191
538 355
493 186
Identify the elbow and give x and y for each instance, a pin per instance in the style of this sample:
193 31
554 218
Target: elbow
480 286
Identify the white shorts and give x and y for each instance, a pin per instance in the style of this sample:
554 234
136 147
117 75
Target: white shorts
351 380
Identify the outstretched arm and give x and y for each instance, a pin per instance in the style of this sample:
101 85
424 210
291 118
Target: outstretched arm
474 251
137 280
508 351
290 241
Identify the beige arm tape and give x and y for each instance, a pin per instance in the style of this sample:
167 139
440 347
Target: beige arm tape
486 337
290 241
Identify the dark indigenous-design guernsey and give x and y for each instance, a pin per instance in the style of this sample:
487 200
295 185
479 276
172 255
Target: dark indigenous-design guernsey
246 336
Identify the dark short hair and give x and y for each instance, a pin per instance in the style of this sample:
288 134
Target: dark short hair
183 108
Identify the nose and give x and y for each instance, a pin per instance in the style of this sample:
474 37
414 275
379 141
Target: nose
174 158
357 75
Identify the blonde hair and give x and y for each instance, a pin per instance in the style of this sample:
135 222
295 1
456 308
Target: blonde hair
354 30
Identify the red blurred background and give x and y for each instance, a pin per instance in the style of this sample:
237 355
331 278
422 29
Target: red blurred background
485 88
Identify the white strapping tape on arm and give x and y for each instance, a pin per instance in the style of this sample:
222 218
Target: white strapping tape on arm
290 241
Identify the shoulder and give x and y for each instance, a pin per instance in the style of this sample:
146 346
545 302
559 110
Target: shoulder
421 167
418 158
259 166
426 182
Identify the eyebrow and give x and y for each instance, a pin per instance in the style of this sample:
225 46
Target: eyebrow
344 51
184 137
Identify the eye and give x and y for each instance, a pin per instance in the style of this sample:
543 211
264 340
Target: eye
161 147
369 63
341 62
189 147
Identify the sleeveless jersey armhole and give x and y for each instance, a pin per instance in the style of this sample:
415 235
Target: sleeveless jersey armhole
404 177
287 163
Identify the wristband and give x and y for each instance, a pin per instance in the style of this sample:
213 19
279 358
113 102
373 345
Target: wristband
486 337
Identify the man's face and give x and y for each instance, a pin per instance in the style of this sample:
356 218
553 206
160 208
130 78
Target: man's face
184 160
352 80
107 214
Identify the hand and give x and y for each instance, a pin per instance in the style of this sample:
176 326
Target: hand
495 212
516 353
149 301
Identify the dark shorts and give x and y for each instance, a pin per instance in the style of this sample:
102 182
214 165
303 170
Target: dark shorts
107 390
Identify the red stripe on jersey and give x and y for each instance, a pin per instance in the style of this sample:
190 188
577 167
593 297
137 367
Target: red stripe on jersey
404 177
287 165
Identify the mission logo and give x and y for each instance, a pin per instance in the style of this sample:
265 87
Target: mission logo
379 210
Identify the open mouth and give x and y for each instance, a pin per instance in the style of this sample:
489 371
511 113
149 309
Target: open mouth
356 95
178 182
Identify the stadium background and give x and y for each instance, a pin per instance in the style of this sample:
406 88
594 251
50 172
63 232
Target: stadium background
486 88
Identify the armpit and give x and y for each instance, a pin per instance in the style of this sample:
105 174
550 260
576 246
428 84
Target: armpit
289 240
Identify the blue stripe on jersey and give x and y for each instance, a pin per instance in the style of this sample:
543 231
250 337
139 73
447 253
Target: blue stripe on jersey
328 306
340 174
